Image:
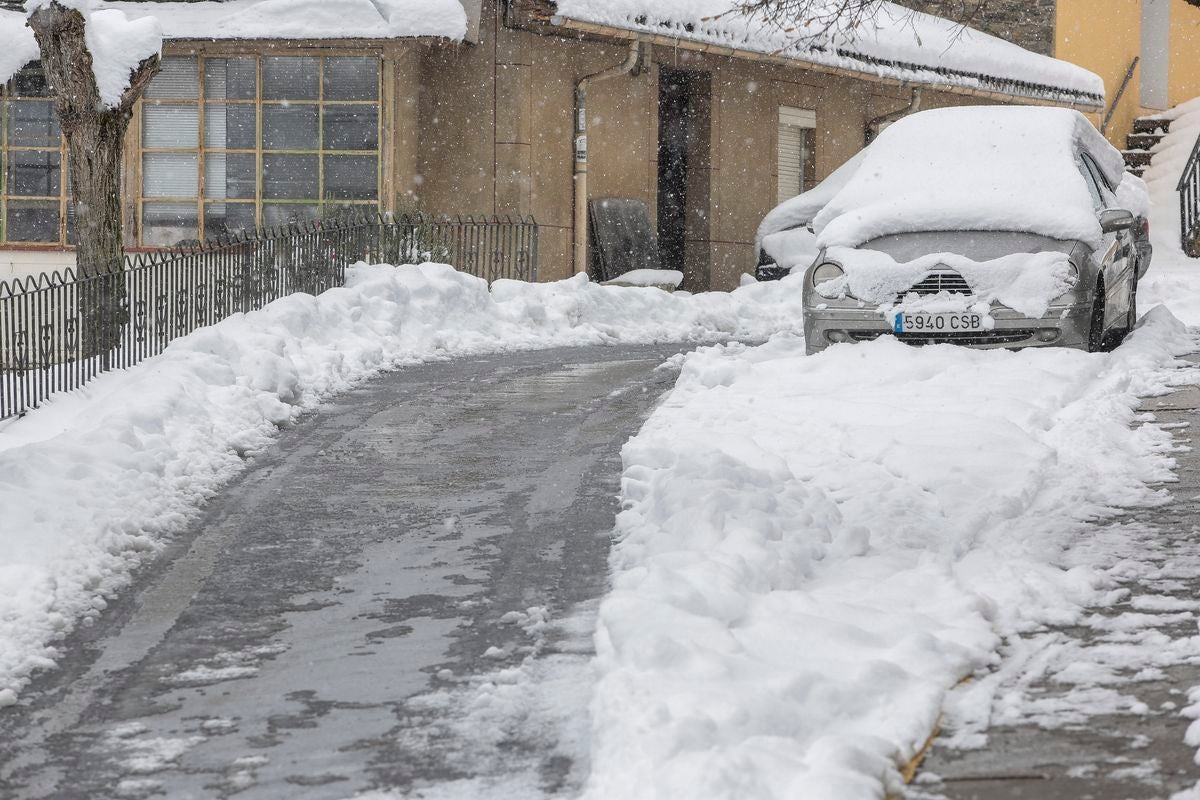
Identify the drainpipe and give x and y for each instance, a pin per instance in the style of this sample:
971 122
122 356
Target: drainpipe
581 147
874 126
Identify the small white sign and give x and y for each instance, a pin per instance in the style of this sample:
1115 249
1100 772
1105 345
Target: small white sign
581 150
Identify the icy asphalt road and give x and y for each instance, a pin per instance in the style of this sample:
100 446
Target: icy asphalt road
314 633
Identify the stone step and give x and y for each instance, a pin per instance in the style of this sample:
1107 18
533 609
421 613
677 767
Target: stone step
1137 158
1143 141
1150 125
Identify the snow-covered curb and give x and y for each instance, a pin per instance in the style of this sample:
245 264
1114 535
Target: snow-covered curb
92 482
815 550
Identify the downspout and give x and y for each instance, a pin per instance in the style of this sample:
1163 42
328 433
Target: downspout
581 148
874 126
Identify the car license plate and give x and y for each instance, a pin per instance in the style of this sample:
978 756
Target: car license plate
938 323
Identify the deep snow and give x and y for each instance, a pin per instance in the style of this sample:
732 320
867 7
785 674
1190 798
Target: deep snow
816 550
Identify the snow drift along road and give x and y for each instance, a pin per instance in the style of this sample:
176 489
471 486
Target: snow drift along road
93 481
815 550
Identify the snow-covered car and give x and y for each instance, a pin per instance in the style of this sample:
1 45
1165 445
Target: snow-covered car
982 226
785 239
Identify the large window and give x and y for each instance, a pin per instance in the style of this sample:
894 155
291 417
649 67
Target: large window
33 158
231 143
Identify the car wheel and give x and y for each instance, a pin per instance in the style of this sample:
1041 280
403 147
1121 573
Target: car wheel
1095 338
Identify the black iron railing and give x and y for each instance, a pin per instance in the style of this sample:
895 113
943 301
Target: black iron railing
1189 203
59 331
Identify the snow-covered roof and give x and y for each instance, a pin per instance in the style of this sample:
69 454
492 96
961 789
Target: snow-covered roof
263 19
973 168
898 44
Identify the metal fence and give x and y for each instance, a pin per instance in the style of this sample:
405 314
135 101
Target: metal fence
59 331
1189 203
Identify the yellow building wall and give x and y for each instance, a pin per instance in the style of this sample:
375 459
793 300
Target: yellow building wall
1104 36
1185 52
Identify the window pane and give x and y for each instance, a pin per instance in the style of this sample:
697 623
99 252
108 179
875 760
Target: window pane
167 224
351 178
170 175
32 221
34 174
32 123
225 218
230 127
230 79
290 128
290 177
178 80
283 214
351 128
288 78
30 82
230 176
352 78
170 126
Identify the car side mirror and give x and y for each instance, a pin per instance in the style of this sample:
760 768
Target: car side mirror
1115 219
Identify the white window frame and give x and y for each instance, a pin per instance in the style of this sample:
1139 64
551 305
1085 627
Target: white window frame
794 151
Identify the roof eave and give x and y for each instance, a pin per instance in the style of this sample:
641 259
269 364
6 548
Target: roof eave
1052 96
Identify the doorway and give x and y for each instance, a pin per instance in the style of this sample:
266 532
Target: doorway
683 174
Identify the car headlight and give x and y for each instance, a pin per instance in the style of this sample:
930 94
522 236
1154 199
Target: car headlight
826 272
1070 296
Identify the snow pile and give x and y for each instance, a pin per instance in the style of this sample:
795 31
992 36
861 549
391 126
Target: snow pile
973 168
20 47
649 277
117 44
305 19
1025 282
1174 279
94 480
815 550
123 39
894 43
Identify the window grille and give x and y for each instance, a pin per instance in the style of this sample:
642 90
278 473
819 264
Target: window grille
231 143
33 160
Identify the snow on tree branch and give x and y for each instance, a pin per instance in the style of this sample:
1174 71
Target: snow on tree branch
118 46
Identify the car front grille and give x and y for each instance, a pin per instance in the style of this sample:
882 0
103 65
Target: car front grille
937 282
963 338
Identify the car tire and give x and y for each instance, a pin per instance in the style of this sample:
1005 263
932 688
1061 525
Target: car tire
1095 336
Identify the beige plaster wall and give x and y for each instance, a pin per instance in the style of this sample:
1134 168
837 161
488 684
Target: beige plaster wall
496 135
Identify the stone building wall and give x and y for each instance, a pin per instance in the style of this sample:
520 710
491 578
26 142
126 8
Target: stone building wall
1029 23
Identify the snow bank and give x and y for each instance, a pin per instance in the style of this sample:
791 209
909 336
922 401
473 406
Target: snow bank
93 481
650 277
1025 282
1173 277
973 168
895 43
816 549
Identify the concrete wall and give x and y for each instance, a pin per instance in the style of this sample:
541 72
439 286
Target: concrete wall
23 263
1029 23
1105 35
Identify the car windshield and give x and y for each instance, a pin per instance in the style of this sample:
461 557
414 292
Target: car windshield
975 245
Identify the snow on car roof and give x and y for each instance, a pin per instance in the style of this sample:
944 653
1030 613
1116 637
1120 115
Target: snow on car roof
897 43
264 19
980 168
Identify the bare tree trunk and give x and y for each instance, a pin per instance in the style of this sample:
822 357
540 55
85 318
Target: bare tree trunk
95 140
